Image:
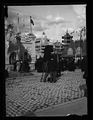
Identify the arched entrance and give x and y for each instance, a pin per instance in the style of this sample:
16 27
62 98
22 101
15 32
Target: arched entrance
78 52
78 57
70 51
12 58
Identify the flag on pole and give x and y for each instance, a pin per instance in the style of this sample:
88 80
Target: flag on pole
31 21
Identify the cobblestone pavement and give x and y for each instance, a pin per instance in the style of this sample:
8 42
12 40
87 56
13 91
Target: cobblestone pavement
28 94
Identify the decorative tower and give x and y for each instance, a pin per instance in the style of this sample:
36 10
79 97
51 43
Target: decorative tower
67 44
67 38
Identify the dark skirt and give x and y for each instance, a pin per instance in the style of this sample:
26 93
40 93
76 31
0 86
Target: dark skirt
25 66
50 66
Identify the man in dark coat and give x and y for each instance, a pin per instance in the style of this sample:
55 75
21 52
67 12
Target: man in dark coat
25 64
49 64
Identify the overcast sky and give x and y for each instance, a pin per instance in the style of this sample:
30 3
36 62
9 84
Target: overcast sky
52 19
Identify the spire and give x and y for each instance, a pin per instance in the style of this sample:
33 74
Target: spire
18 23
67 31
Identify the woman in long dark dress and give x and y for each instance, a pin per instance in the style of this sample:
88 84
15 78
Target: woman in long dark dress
25 64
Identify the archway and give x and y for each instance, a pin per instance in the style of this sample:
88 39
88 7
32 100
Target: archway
12 58
78 51
70 51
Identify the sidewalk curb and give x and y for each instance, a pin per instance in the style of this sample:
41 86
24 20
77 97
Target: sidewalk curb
54 106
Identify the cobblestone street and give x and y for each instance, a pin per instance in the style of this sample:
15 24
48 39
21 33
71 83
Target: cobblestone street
28 94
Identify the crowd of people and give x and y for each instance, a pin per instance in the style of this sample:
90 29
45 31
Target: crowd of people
53 64
21 65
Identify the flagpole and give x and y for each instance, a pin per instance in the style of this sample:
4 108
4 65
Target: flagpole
18 23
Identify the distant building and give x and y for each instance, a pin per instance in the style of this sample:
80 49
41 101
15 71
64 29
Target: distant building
40 44
73 48
57 47
38 47
68 44
29 44
15 50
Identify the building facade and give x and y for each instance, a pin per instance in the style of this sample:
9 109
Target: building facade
73 48
29 45
40 44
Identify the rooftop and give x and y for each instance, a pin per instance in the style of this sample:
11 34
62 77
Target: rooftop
67 35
